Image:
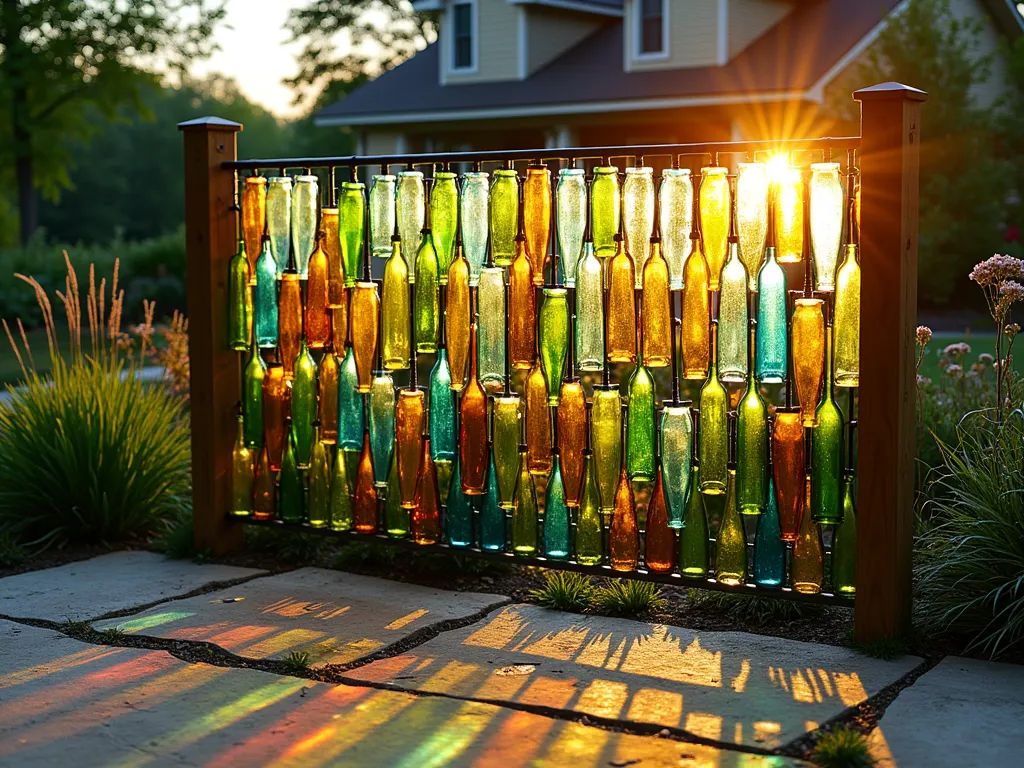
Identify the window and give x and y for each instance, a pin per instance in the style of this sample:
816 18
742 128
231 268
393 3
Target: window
462 36
651 27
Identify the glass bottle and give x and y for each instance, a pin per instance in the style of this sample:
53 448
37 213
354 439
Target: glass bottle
441 420
352 215
409 426
788 469
330 227
752 447
538 422
456 320
303 411
382 425
589 545
254 217
279 220
365 323
427 301
589 311
808 333
640 431
752 216
505 445
713 435
731 555
844 546
769 551
624 537
827 452
638 216
503 212
339 325
341 515
395 290
242 470
252 398
771 321
605 202
264 492
554 339
537 218
847 321
444 216
522 321
317 318
396 517
732 319
715 207
807 568
293 502
621 331
473 427
676 460
382 214
475 221
826 193
571 208
492 514
426 513
572 436
289 319
364 496
659 539
524 514
327 397
410 207
556 513
277 398
491 320
458 518
693 549
695 336
350 405
789 216
655 311
305 196
265 302
675 198
239 300
319 479
606 440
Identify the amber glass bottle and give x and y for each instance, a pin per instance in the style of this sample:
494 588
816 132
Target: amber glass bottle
318 318
364 501
620 335
572 437
788 467
426 511
473 428
409 427
264 494
655 310
807 570
277 399
365 320
289 314
522 320
624 537
457 319
537 218
659 539
538 422
395 290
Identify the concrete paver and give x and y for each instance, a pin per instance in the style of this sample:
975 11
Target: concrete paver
725 686
961 712
88 589
333 616
63 702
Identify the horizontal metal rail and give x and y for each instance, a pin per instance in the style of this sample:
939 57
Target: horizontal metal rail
507 558
541 155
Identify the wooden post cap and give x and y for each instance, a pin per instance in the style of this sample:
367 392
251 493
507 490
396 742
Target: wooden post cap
209 123
890 92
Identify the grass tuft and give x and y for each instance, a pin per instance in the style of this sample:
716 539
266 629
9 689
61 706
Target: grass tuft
752 608
11 552
177 539
297 662
843 747
113 635
625 597
75 627
565 591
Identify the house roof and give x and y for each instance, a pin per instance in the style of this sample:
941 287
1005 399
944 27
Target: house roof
807 47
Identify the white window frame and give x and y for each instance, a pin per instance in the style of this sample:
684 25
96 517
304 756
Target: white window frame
474 43
638 32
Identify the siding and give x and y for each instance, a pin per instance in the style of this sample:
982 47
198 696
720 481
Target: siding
989 42
497 45
550 33
749 19
692 36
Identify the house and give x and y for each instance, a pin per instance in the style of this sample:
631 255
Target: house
528 73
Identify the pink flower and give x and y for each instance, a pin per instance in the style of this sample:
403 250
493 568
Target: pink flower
924 334
997 269
1012 291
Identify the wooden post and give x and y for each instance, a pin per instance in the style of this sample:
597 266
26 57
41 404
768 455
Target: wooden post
210 241
889 164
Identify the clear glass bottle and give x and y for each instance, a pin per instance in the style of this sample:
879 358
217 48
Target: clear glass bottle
571 209
410 206
475 221
675 197
305 197
752 216
491 322
733 319
676 459
826 192
638 216
589 311
382 214
279 220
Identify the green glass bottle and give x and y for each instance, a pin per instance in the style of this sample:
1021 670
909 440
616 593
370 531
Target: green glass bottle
382 425
641 432
303 404
444 215
319 479
352 215
242 474
752 446
589 545
441 412
844 547
554 339
605 209
731 555
426 302
492 515
239 300
265 303
252 398
606 440
769 551
505 421
340 513
292 508
589 311
676 459
458 518
732 318
524 516
827 451
713 436
491 327
504 215
396 517
556 514
693 549
350 405
772 342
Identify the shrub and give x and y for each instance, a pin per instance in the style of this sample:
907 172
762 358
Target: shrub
843 747
89 452
565 591
630 598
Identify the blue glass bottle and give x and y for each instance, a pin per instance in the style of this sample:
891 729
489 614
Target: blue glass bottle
458 518
441 413
772 344
350 405
265 303
556 514
769 551
492 516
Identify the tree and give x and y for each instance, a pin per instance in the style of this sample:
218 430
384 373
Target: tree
60 60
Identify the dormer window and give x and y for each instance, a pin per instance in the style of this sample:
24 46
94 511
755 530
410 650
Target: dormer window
463 43
651 28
